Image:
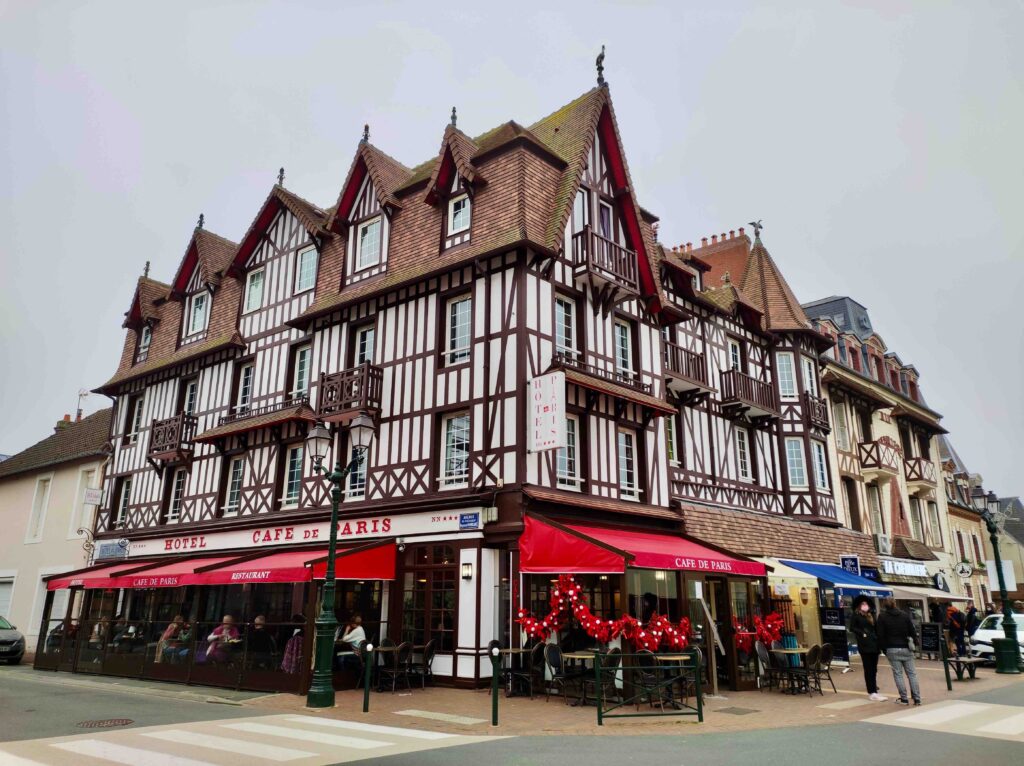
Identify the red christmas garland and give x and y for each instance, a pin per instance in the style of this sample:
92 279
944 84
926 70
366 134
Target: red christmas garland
567 599
765 630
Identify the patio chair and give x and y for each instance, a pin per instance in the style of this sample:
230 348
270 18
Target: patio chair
772 670
531 673
806 674
690 682
824 668
647 678
396 667
423 669
609 670
556 667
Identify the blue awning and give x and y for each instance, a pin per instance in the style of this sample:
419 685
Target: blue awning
844 583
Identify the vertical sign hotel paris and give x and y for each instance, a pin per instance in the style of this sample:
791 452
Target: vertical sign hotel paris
547 412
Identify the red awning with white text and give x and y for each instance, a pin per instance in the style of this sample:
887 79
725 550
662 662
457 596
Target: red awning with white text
283 566
375 561
94 577
169 574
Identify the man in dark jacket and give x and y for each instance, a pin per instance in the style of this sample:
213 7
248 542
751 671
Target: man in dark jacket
895 633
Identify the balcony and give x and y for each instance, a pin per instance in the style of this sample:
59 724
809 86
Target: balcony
246 412
685 370
171 438
572 361
879 459
920 475
816 412
344 394
609 267
743 395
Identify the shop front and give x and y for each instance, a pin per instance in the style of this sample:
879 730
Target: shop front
661 578
794 595
914 590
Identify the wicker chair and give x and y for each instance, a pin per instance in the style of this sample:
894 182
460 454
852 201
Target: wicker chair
529 675
396 667
556 667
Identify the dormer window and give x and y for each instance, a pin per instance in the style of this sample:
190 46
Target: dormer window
254 290
368 244
198 313
145 338
305 270
459 212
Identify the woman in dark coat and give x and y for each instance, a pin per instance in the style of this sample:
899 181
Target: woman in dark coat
862 624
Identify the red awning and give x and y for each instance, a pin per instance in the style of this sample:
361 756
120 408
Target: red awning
169 574
87 577
283 566
375 561
555 548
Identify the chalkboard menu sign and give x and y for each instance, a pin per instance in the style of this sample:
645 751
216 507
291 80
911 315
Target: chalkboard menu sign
833 632
931 637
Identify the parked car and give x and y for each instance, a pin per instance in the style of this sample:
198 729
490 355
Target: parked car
12 643
992 627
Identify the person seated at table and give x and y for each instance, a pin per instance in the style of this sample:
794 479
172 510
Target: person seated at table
178 649
261 645
168 637
216 650
349 637
292 660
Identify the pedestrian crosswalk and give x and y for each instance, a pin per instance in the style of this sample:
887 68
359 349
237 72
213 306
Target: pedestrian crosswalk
299 740
978 719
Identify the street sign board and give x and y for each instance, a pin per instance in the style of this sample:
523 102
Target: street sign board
850 563
93 496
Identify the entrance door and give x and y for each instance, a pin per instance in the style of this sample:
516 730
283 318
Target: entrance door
718 605
428 610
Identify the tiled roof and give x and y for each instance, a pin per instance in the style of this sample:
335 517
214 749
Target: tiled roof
298 412
309 215
756 534
75 441
144 303
909 548
215 254
1014 524
577 499
183 354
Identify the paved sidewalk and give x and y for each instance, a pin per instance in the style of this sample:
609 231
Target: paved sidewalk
462 711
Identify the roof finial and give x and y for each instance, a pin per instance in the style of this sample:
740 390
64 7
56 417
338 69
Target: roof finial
366 134
757 229
726 278
654 228
454 117
280 177
199 224
145 271
600 68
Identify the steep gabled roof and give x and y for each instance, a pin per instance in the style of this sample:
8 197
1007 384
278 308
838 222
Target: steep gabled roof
311 217
764 283
455 158
210 253
144 309
386 172
74 441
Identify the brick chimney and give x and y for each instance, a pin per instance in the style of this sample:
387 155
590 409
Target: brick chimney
62 424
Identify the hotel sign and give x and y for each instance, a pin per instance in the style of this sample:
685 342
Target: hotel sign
547 412
361 529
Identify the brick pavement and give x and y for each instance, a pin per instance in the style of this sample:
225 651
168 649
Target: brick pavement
522 716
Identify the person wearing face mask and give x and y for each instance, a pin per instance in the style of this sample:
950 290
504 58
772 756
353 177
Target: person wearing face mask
862 623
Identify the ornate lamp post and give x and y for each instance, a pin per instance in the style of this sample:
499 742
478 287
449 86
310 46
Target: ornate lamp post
318 442
1006 649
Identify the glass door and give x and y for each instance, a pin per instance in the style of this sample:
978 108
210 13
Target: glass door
430 598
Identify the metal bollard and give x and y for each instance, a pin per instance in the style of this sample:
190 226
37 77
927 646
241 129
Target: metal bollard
367 672
944 654
597 688
495 676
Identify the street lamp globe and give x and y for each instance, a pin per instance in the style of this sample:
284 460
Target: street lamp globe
318 441
993 504
361 430
979 500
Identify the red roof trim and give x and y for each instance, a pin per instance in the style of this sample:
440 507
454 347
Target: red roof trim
187 267
263 220
348 195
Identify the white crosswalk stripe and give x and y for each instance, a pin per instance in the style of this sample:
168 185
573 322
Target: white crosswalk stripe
974 719
299 740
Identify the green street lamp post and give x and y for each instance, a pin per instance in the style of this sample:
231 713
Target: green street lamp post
318 442
1006 649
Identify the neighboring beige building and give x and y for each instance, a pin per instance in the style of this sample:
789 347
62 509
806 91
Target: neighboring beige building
42 507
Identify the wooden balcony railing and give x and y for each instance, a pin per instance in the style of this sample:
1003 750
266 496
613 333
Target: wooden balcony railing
599 257
171 436
740 391
881 456
685 367
920 470
572 361
343 394
816 411
246 412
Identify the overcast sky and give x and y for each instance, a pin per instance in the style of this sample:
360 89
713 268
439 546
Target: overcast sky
879 141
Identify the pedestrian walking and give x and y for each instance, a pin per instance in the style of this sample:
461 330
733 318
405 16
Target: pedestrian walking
973 620
957 624
895 633
862 624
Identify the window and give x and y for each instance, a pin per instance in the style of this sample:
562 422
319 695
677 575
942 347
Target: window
459 315
177 491
368 244
300 370
933 522
820 465
82 517
670 439
960 545
916 523
795 461
198 311
735 354
245 380
977 549
188 396
254 290
580 211
305 269
145 338
292 477
875 509
134 422
365 340
458 214
744 466
984 594
565 326
124 494
842 353
810 375
233 493
787 375
357 476
455 459
842 429
566 458
40 500
627 466
623 349
605 221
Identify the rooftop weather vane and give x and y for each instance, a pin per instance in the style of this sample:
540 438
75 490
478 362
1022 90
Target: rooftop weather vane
145 271
202 218
757 228
280 177
454 117
366 134
600 68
